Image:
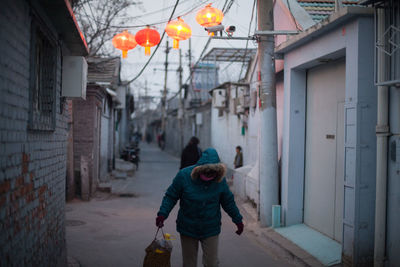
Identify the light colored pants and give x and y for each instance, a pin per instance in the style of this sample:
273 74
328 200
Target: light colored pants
190 247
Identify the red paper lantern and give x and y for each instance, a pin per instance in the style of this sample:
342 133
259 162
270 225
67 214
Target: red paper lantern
124 41
178 30
209 16
147 37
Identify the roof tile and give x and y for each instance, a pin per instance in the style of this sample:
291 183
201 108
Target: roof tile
321 9
104 70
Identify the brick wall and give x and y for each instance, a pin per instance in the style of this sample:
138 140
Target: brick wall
32 163
86 134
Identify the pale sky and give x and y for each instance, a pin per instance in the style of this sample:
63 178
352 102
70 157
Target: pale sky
239 15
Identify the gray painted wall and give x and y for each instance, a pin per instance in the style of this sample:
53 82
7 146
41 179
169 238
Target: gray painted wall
353 39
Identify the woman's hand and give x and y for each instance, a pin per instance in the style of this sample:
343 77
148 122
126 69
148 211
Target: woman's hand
240 227
160 221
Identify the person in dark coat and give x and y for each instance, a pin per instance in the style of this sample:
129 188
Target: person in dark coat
201 190
191 153
238 162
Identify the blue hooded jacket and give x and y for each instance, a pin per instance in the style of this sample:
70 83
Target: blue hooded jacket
199 214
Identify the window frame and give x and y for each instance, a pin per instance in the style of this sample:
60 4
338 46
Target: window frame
43 49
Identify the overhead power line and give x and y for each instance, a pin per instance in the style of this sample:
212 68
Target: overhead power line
153 12
247 41
155 50
203 51
159 22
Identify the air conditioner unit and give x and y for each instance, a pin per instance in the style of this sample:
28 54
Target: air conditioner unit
74 76
219 98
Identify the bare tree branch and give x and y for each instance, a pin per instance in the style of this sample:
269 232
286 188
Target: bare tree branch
95 18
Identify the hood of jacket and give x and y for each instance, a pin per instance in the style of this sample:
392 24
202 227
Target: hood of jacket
209 162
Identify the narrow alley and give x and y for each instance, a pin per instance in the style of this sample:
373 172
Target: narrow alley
114 229
295 102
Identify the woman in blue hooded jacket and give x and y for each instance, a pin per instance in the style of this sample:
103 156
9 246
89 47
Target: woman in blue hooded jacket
201 189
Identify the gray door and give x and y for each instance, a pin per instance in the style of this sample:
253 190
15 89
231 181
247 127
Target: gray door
324 159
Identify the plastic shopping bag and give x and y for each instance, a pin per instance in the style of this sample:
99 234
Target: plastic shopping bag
158 253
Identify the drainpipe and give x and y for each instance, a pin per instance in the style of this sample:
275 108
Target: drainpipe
382 133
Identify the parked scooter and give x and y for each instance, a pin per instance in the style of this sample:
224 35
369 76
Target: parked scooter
131 153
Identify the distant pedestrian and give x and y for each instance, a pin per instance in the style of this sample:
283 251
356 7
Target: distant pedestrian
201 190
148 137
238 162
191 153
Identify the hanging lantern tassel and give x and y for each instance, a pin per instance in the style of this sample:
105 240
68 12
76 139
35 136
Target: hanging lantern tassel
178 30
175 44
147 38
124 41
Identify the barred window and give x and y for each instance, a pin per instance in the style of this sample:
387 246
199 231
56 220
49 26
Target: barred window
43 65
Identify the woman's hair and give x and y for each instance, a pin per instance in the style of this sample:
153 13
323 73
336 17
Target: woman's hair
239 147
194 140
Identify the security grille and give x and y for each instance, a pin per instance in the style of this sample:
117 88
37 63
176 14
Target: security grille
43 65
388 43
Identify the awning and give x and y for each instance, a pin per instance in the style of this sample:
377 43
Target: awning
111 92
230 54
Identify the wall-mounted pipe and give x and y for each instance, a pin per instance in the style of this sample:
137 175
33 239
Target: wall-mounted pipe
382 133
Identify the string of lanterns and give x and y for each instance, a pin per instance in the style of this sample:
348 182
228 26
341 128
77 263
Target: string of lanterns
177 29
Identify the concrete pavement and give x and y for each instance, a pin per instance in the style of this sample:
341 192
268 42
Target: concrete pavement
114 229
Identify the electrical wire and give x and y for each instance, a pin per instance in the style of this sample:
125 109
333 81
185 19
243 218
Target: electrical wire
201 55
194 67
247 41
207 44
153 12
223 8
158 22
228 7
162 36
155 50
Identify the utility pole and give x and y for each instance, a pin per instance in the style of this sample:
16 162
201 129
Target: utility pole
180 110
146 99
164 96
268 161
190 64
146 108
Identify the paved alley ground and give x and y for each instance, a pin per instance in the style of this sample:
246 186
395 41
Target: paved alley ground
114 229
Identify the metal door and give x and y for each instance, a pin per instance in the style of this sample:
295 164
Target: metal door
324 158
